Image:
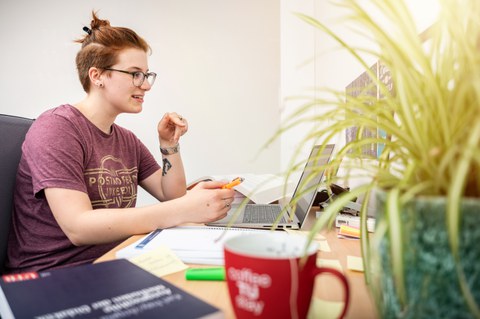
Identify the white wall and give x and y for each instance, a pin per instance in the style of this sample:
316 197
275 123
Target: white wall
218 64
227 66
297 71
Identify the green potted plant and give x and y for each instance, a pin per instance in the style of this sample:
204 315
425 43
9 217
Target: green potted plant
423 259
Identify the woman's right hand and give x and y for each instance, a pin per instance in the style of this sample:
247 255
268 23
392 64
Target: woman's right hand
208 202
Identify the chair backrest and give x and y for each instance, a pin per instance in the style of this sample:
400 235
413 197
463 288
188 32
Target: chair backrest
12 135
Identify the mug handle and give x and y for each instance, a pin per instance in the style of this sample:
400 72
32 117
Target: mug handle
343 280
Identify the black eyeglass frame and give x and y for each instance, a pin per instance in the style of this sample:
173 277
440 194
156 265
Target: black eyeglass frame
153 75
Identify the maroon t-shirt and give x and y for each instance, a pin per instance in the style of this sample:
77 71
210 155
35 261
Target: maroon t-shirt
63 149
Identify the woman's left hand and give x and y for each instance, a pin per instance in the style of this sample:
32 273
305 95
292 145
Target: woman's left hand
171 127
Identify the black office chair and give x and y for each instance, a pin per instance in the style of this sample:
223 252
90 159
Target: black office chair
12 135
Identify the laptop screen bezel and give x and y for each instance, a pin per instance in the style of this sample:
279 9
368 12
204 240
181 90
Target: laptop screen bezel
301 214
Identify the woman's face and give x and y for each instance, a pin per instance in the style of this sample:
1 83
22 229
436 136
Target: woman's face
119 88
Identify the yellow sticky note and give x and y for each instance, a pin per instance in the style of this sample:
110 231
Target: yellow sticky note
323 246
355 263
323 309
319 239
331 263
306 233
160 262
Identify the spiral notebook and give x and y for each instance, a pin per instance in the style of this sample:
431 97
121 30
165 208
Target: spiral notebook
192 244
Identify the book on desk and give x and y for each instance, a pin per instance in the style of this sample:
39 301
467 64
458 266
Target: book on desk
112 289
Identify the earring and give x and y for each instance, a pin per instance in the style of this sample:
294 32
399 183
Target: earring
99 84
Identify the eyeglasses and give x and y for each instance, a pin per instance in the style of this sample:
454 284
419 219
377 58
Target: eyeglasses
138 77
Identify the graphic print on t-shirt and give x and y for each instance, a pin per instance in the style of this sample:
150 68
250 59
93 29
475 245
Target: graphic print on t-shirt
113 184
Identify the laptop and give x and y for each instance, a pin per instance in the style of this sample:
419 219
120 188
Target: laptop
265 215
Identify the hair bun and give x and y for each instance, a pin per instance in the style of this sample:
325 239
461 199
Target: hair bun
96 23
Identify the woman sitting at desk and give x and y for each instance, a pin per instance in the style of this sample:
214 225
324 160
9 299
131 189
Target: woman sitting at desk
78 176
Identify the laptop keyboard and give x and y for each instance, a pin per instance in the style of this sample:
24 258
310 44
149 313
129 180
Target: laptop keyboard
261 214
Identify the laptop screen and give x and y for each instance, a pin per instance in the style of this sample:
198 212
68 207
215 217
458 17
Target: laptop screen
307 182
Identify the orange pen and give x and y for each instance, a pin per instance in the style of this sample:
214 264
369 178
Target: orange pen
233 183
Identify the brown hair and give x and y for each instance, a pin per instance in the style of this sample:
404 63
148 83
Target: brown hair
101 45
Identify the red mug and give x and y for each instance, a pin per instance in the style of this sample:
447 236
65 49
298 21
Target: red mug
268 276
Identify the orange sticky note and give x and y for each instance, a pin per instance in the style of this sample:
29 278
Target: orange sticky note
349 231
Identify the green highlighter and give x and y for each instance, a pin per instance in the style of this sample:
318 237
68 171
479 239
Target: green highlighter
217 273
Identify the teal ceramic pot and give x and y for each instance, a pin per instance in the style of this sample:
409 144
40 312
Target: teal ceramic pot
431 280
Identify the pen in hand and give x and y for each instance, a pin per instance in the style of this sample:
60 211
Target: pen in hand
233 183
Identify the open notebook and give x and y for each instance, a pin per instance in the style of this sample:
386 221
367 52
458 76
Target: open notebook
265 215
191 244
